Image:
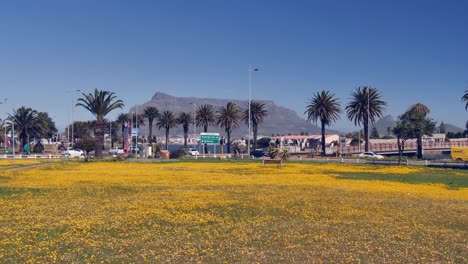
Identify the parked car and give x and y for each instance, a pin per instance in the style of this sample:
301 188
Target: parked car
259 153
370 155
193 152
73 153
135 150
116 151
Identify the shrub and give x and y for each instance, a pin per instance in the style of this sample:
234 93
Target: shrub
273 152
179 153
38 148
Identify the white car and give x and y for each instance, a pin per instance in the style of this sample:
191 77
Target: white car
74 153
193 152
371 155
116 151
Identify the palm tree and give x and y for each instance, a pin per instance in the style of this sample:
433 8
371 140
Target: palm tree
257 114
166 120
100 103
185 119
228 118
27 124
122 120
205 118
364 108
150 112
465 98
324 107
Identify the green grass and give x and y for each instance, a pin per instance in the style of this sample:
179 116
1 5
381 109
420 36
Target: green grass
436 176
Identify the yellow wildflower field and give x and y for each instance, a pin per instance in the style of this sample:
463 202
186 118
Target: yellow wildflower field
182 212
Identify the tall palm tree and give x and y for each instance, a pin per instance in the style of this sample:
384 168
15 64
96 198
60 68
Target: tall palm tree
205 117
167 121
257 114
465 98
100 103
27 124
325 108
228 118
150 112
185 119
365 106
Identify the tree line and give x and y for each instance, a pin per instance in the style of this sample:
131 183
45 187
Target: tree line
365 106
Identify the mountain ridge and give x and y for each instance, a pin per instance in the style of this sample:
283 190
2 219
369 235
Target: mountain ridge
280 120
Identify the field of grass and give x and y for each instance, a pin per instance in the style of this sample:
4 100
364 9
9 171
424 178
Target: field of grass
233 212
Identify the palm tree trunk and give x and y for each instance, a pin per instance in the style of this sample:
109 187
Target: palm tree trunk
205 129
419 142
323 138
167 138
366 132
228 150
99 133
255 130
150 133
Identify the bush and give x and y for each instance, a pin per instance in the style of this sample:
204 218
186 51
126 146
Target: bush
273 152
38 148
179 153
264 142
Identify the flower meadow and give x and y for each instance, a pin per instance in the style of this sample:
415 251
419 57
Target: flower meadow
239 212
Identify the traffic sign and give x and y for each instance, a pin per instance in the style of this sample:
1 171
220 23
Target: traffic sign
209 138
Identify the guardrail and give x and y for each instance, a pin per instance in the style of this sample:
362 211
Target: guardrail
441 164
31 156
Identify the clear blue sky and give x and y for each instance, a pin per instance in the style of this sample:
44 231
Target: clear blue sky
412 51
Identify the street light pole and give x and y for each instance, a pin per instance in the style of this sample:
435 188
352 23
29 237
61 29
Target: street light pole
194 124
12 136
368 119
250 91
72 121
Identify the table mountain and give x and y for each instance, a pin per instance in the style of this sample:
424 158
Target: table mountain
280 120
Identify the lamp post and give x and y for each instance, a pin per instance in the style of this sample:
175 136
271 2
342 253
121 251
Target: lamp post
250 91
368 119
72 110
194 124
12 136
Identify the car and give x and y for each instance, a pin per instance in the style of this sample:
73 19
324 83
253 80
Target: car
370 155
259 153
116 151
135 150
193 152
73 153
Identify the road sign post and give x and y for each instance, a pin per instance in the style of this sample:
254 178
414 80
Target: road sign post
209 139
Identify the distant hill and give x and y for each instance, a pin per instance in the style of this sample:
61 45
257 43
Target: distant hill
280 120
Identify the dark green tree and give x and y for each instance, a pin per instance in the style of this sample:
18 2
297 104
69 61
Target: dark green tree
421 125
323 107
122 120
205 117
150 113
185 119
228 118
364 108
257 113
465 98
28 124
442 128
167 121
100 103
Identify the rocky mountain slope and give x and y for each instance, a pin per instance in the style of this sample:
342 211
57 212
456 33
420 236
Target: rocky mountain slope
280 120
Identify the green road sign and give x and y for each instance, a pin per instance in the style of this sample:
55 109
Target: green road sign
209 138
